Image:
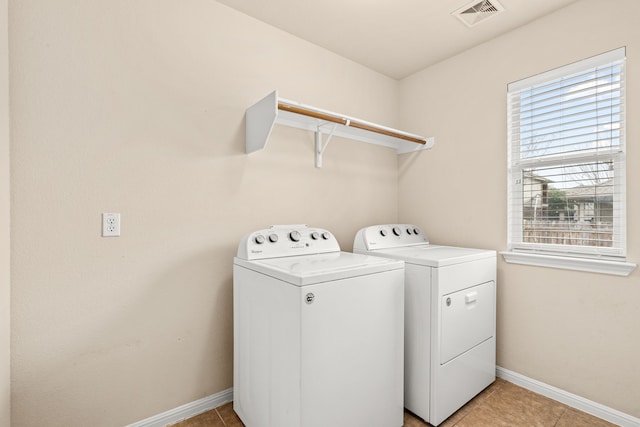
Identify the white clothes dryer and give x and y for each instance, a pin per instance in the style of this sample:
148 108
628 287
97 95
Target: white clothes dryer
449 317
318 333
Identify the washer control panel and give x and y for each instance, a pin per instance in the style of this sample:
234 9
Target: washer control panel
389 236
286 240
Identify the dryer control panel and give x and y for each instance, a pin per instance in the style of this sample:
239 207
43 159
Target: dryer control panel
286 240
389 236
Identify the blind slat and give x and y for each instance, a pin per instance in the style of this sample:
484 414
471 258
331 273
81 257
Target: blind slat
566 94
561 111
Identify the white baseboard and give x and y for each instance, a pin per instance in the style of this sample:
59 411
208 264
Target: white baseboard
585 405
188 410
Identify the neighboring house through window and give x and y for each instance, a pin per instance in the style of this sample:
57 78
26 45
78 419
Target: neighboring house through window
566 135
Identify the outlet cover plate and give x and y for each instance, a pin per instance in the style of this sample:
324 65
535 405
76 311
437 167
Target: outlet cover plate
110 224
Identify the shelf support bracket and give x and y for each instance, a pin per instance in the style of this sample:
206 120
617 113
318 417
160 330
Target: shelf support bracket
320 146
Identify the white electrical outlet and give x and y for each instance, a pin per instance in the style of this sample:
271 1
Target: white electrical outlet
110 224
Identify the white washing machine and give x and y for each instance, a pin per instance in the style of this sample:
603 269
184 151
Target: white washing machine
450 296
318 333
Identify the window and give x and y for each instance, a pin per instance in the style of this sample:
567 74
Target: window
566 135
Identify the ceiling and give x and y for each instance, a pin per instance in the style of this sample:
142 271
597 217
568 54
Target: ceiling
394 37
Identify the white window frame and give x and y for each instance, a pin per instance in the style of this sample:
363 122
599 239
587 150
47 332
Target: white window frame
593 259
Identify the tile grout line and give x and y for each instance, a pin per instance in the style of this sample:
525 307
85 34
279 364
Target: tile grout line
463 417
561 415
221 419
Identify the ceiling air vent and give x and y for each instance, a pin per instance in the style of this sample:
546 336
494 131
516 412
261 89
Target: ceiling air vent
478 11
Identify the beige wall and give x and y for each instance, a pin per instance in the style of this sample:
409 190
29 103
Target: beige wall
576 331
4 219
138 107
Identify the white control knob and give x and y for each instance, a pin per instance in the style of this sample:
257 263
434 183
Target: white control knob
396 230
326 235
383 232
294 236
273 238
315 235
416 231
408 231
259 239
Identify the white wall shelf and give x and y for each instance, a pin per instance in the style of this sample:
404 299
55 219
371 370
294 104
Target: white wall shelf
270 110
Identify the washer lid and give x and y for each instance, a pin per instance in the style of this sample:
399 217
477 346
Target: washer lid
310 269
434 256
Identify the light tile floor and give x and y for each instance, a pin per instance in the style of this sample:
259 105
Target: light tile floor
502 404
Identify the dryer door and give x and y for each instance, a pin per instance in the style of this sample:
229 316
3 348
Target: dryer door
468 318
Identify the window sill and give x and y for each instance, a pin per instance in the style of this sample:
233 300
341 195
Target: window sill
618 268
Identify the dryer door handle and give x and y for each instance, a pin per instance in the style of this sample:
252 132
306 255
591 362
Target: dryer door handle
470 297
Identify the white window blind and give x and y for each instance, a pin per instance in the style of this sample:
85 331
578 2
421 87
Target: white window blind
566 135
